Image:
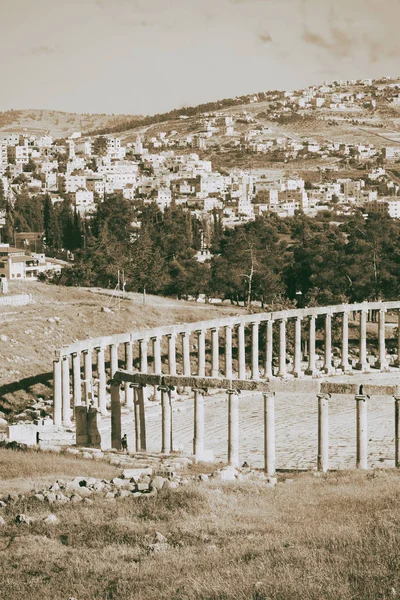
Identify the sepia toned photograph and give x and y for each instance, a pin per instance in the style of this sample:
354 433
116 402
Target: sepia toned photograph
200 300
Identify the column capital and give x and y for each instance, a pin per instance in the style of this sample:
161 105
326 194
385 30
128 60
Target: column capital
184 333
361 397
281 319
165 388
231 391
77 353
268 394
396 398
323 396
299 317
99 348
382 310
169 335
202 391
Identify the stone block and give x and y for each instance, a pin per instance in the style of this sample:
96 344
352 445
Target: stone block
137 473
158 482
143 487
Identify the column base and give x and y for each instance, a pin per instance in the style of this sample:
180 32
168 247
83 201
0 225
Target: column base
312 372
365 367
328 370
282 375
346 368
382 366
214 373
298 374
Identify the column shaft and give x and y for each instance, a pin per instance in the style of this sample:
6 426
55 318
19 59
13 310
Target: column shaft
77 381
269 433
398 339
66 395
171 354
382 362
57 393
282 348
113 359
345 342
202 353
269 349
166 421
115 416
362 433
323 432
311 348
255 374
214 353
328 344
87 376
143 356
137 417
297 348
228 351
397 430
241 351
142 418
157 355
101 371
186 353
233 428
362 364
198 440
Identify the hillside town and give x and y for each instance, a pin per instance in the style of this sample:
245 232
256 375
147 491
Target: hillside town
172 165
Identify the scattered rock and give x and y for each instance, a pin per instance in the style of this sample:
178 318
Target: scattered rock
51 519
2 521
22 519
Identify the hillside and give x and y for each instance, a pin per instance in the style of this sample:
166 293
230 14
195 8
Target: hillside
57 123
61 315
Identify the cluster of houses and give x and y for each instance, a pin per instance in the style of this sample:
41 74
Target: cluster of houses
165 167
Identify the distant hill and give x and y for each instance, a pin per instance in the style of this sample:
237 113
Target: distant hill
57 123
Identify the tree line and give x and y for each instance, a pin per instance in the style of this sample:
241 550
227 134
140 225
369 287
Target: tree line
270 260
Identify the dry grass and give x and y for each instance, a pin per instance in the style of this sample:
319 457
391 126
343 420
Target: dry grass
317 538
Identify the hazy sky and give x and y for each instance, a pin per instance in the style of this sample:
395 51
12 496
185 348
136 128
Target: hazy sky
146 56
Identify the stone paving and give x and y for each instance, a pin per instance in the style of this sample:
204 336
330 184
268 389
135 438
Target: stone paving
296 426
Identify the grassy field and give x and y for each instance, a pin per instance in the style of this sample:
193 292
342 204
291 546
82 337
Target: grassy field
325 538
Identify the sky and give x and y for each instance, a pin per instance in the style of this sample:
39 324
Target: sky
148 56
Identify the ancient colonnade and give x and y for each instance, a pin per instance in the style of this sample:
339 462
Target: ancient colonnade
81 373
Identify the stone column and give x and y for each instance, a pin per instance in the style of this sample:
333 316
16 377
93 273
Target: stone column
87 376
328 344
157 364
381 362
345 366
228 351
269 433
233 427
362 433
241 351
214 352
397 430
282 348
166 420
113 359
297 372
143 356
397 363
255 373
57 393
171 354
201 353
323 432
186 353
136 387
128 389
362 364
269 349
142 417
66 394
311 349
101 371
77 381
115 416
198 439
